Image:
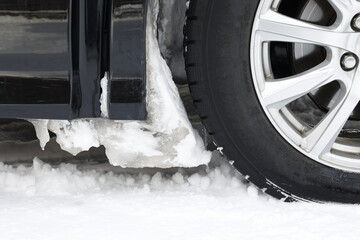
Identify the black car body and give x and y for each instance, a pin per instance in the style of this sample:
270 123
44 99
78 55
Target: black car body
54 53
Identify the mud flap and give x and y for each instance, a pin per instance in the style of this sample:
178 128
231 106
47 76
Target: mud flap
54 53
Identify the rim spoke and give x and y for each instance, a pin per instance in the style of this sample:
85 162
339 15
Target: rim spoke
280 92
344 7
340 43
323 136
274 26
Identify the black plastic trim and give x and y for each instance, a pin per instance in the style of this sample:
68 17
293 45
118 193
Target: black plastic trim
128 70
97 42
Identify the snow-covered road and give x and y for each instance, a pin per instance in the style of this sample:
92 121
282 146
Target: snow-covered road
72 202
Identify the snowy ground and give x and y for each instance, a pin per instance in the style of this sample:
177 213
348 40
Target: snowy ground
78 202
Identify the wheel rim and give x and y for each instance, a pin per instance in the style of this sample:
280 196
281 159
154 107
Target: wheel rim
331 137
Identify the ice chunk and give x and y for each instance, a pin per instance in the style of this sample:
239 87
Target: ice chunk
104 107
166 139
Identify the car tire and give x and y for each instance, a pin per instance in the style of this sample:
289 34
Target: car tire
218 42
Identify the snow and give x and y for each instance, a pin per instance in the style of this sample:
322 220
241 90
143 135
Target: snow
166 139
41 201
104 98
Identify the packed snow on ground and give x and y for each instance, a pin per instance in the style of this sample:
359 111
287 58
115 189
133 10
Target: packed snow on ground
166 139
98 202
